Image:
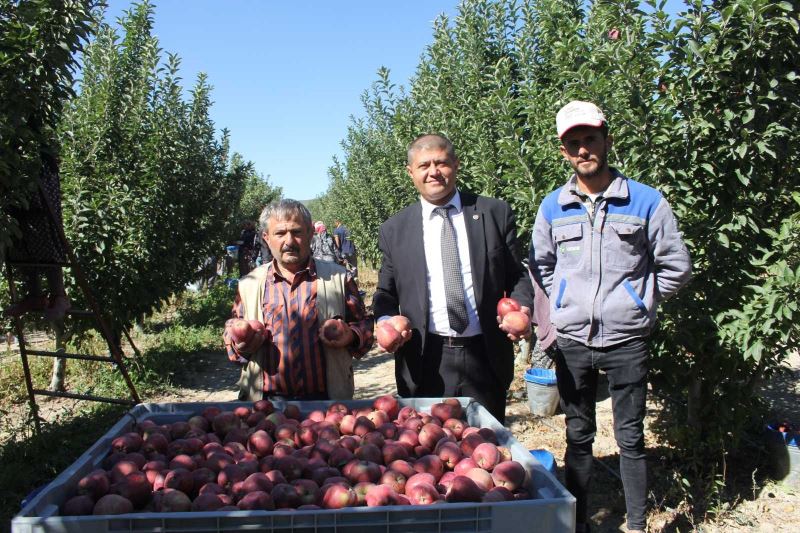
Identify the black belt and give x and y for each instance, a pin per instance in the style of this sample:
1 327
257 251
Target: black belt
456 342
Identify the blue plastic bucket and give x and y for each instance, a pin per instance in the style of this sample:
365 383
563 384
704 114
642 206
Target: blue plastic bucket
783 448
542 391
546 459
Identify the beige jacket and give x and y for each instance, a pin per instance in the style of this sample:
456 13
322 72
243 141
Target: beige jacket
330 303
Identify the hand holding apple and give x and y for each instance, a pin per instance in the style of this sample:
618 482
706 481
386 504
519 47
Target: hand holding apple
247 335
336 333
393 332
517 324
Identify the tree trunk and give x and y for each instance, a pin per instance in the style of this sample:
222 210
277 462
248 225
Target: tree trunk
59 363
694 399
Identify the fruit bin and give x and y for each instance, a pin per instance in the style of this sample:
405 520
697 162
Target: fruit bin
551 509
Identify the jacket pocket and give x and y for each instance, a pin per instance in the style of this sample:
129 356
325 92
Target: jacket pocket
569 245
635 297
624 245
562 286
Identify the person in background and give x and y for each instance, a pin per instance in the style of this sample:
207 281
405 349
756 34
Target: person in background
297 298
447 261
246 247
346 247
323 247
41 245
607 250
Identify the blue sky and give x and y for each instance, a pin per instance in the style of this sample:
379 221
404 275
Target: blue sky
287 76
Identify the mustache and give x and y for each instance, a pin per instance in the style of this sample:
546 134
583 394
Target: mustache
290 248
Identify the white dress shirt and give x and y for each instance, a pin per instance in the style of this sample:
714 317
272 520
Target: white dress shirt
438 322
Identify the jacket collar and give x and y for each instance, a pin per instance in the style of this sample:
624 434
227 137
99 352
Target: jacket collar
618 188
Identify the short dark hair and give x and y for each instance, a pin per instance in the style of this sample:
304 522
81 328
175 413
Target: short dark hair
428 141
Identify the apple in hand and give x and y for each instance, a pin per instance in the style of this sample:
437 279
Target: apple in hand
401 324
506 305
336 333
240 331
247 335
516 324
389 339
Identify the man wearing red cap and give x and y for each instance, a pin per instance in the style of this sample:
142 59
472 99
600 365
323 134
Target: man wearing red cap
607 251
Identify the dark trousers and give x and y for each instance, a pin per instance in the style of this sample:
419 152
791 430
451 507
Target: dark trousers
625 365
461 371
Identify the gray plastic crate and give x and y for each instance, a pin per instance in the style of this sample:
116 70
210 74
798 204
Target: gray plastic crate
551 510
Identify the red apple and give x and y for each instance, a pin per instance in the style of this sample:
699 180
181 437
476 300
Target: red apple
402 466
285 496
517 323
361 490
339 496
456 426
172 501
121 469
257 326
258 500
388 404
423 494
369 452
393 451
498 494
380 495
386 335
445 481
486 455
78 505
394 479
405 413
400 323
509 474
470 442
240 331
95 484
450 454
463 489
506 305
429 435
308 491
420 477
464 466
357 471
334 329
112 504
136 488
264 406
481 477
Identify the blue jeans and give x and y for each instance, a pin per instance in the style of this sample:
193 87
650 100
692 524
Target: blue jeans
625 364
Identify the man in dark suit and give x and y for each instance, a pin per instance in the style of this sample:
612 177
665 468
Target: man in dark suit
447 260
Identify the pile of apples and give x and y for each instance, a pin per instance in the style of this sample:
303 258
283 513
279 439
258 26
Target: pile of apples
258 458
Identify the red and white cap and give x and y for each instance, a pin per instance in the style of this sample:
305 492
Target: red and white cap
578 113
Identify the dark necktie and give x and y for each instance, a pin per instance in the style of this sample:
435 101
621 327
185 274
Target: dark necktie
453 282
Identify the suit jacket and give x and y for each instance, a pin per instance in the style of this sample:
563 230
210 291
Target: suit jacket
497 271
